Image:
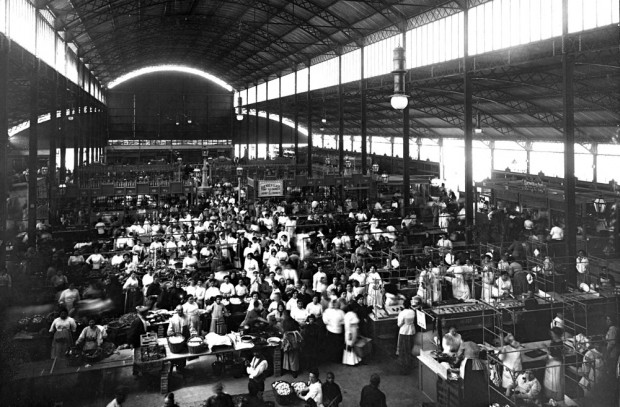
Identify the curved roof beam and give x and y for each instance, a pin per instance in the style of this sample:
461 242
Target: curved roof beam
138 33
169 68
151 56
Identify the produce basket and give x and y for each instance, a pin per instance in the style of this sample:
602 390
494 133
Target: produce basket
93 355
196 345
74 357
177 343
299 387
283 392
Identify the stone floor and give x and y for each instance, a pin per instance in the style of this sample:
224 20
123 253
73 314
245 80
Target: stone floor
401 390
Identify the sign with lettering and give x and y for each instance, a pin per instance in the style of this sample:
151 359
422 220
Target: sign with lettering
270 188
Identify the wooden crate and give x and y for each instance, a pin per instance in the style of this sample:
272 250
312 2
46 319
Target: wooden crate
277 362
148 339
165 383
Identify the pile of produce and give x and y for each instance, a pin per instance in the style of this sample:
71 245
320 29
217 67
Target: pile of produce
300 387
151 353
127 319
35 323
176 339
158 316
282 388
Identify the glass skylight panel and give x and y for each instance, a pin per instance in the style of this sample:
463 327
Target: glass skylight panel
288 84
302 80
351 66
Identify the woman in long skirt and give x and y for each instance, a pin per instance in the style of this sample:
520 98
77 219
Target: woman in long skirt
553 384
218 313
473 371
63 328
374 288
406 337
291 344
351 328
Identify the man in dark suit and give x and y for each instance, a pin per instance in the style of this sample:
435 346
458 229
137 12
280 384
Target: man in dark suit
371 395
138 327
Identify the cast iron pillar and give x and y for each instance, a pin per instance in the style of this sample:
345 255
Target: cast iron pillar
309 112
468 121
5 45
568 66
33 154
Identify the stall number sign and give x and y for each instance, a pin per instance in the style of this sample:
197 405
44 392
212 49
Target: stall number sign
270 188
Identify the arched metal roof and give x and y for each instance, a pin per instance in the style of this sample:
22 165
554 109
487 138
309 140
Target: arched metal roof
517 91
240 41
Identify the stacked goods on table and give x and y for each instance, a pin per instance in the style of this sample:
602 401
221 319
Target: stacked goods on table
150 350
152 353
283 392
159 316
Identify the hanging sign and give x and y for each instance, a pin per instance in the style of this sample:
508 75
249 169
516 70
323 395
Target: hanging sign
270 188
421 318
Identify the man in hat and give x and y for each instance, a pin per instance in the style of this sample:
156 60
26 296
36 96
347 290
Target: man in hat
257 372
138 327
219 399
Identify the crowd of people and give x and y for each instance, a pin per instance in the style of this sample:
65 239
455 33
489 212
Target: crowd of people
224 265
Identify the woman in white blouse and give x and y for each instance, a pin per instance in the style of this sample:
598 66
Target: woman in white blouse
406 336
374 288
63 328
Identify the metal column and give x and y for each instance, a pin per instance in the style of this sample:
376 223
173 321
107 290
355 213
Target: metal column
33 154
62 130
256 124
594 151
568 66
247 126
281 137
52 151
364 121
296 125
309 111
89 122
267 120
341 121
77 130
469 133
5 45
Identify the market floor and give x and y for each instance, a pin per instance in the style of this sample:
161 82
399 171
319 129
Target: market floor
401 390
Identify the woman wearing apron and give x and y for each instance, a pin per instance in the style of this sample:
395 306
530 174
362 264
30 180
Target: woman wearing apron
374 288
351 328
63 328
218 312
91 336
190 308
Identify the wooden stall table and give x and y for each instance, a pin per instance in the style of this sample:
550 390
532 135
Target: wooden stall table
31 372
163 365
470 316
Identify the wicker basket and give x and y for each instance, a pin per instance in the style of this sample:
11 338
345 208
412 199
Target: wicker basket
74 357
284 400
196 347
92 356
177 347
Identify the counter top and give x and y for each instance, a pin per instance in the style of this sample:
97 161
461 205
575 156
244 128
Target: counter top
426 357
